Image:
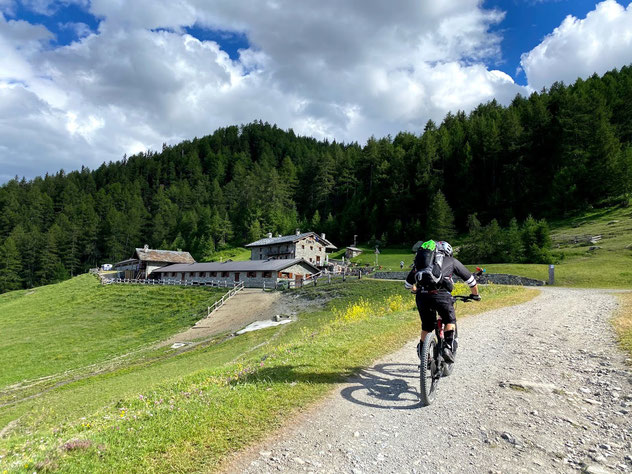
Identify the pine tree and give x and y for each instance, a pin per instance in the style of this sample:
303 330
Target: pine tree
315 221
513 252
440 221
178 244
254 231
50 265
10 266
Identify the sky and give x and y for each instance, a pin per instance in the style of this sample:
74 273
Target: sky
84 82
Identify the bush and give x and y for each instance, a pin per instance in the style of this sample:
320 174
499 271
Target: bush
492 243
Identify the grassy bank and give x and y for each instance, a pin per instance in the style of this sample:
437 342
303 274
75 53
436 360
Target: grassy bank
189 412
609 266
623 322
56 328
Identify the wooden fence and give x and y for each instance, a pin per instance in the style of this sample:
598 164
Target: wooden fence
139 281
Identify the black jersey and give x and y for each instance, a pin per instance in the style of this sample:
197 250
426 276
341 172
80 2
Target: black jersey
451 266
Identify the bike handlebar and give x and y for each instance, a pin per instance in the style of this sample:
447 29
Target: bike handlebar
465 299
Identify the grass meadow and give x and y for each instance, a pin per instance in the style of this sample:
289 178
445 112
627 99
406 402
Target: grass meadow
623 322
188 412
609 266
57 328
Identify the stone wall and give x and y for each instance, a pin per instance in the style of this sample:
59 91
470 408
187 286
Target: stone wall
309 249
495 278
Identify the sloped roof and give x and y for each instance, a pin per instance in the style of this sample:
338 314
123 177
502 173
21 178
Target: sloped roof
244 266
291 238
168 256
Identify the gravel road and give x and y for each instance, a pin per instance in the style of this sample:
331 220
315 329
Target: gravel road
539 387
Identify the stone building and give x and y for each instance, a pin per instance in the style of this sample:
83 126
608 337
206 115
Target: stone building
146 260
309 246
351 252
254 273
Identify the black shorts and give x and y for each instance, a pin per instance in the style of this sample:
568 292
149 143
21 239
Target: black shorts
429 305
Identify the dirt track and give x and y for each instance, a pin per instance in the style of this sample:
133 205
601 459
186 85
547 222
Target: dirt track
539 387
245 307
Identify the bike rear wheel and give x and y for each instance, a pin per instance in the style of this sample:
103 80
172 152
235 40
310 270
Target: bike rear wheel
428 371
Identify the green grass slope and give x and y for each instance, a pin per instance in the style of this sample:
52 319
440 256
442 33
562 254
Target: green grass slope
56 328
191 411
230 253
609 266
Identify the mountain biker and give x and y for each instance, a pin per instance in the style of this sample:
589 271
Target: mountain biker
438 298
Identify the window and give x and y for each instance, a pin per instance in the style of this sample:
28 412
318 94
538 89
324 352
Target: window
311 248
267 274
225 274
251 274
302 246
213 274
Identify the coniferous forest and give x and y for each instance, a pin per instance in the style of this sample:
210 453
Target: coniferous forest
546 155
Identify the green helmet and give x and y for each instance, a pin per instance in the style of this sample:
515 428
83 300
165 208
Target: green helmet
429 245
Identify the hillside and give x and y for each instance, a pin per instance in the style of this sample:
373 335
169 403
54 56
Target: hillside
188 412
58 328
608 266
550 154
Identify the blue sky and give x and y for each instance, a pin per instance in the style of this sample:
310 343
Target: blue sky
525 25
87 81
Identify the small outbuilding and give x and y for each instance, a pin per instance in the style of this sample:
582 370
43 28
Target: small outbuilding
351 252
146 260
254 273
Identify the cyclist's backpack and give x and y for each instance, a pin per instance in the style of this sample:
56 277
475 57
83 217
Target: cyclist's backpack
429 266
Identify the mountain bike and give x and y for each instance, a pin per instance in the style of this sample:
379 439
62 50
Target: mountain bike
433 366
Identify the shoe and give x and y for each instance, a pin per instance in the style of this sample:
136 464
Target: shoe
448 355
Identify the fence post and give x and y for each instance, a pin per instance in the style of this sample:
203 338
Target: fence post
551 274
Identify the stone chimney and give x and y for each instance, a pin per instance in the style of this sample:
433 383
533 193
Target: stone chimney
269 235
146 248
298 231
322 236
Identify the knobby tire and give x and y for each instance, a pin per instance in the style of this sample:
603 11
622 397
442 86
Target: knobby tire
429 379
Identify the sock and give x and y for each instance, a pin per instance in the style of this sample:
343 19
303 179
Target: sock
448 337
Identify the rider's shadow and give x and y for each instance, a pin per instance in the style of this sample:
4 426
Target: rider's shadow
389 386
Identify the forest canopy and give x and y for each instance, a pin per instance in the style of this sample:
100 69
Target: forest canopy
554 152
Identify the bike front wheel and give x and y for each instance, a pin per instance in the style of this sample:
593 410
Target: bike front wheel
429 373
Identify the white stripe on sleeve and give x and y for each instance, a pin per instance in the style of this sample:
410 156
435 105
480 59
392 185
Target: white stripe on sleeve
471 281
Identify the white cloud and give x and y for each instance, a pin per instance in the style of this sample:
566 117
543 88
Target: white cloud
580 48
343 70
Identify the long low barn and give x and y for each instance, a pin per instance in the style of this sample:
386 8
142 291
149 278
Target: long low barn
254 273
